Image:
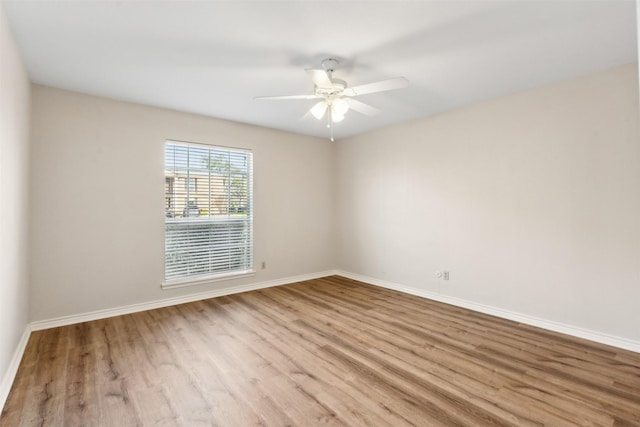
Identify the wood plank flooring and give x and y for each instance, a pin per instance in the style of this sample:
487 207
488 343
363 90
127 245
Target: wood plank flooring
330 351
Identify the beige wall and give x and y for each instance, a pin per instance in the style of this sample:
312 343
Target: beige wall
14 149
531 201
99 244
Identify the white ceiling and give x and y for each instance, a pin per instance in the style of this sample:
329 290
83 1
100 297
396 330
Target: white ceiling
213 57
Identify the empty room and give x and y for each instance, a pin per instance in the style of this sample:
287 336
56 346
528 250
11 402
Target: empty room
300 213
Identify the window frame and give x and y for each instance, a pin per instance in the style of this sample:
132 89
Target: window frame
210 276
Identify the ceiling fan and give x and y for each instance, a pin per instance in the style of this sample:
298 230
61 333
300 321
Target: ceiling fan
336 98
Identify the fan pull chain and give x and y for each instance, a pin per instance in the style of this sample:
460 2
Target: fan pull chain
330 121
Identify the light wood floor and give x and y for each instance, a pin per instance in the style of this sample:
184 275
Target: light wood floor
329 351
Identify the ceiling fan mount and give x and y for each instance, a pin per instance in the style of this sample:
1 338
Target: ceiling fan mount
336 98
329 64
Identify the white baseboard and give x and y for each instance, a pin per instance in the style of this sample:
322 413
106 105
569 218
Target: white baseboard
134 308
505 314
494 311
12 370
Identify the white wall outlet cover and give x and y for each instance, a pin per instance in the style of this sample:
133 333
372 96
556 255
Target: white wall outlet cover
438 274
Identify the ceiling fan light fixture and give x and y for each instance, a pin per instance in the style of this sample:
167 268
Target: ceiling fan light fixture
340 107
318 110
336 118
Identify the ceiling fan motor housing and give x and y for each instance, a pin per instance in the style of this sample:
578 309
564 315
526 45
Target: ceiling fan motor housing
338 87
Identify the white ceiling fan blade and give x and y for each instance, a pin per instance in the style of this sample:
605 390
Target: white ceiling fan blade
289 97
362 108
320 78
381 86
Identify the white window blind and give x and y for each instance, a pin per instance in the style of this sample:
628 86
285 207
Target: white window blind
208 211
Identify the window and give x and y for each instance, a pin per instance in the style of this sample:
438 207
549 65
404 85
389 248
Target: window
208 212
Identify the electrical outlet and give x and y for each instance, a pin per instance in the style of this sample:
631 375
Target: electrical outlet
445 275
263 265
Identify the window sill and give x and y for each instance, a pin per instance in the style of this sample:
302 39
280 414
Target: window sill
203 280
